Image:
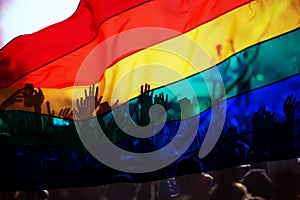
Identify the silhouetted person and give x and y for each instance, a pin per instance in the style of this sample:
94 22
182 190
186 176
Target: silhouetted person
231 191
258 183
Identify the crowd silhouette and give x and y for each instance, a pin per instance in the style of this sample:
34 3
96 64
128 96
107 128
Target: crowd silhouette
270 139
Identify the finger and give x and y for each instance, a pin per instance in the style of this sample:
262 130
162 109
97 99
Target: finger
146 88
93 90
77 102
14 97
48 107
20 90
67 110
167 97
76 113
96 95
85 93
60 112
85 103
285 101
64 112
151 92
142 89
81 101
20 96
116 103
40 92
90 91
100 99
289 99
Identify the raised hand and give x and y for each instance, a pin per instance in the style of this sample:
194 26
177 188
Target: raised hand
66 113
17 96
91 99
102 107
87 105
83 109
145 98
142 117
186 107
162 100
263 118
97 101
256 121
97 105
289 106
37 100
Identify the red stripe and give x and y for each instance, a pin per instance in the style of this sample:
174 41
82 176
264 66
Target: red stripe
28 53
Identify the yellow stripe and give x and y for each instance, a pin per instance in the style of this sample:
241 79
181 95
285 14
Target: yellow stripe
244 26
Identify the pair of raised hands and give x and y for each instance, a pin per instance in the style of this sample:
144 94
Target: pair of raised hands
18 96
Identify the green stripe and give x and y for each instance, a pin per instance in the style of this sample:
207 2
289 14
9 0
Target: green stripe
265 63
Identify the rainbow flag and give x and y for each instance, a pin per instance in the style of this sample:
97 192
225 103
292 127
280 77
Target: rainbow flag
76 96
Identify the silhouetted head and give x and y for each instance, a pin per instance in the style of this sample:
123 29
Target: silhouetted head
232 191
258 183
